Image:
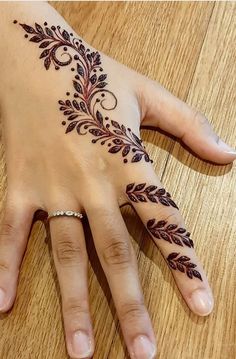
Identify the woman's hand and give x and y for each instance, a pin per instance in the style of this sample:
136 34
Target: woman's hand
71 119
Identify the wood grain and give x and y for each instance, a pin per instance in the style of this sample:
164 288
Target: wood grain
190 48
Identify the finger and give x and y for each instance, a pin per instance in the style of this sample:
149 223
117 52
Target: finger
119 263
164 110
14 232
71 262
165 225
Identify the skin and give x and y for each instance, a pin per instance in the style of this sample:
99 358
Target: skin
60 171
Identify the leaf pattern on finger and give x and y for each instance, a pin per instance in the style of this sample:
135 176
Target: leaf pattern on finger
144 193
170 233
90 93
183 264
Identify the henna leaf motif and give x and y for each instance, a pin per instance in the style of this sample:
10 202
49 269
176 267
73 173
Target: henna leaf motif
28 28
39 28
153 194
44 44
165 231
114 149
44 53
47 63
65 35
77 87
181 264
71 126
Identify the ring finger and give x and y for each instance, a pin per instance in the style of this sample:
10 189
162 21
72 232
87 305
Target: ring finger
71 262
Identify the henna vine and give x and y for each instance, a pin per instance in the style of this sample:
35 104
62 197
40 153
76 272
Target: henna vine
183 265
170 233
143 193
82 113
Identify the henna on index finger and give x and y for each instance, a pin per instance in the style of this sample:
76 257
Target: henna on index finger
162 230
83 111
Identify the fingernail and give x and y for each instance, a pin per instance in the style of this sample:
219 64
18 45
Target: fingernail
202 302
2 299
226 147
143 348
81 345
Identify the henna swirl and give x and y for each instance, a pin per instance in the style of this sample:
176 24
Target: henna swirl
90 95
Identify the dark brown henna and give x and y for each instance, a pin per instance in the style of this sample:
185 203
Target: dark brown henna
89 84
170 233
183 265
144 193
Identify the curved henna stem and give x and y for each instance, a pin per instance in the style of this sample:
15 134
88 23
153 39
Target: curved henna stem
183 264
170 233
144 193
89 85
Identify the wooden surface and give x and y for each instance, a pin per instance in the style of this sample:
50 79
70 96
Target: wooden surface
190 48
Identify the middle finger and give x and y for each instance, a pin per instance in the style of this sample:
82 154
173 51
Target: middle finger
119 263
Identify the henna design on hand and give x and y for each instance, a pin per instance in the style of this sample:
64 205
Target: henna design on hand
170 233
143 193
183 265
82 112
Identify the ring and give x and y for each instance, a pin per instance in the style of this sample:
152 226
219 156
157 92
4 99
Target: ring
65 213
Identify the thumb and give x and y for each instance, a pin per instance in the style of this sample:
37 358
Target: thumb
164 110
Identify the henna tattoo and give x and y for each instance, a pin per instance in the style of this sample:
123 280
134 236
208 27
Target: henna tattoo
143 193
90 95
183 265
170 233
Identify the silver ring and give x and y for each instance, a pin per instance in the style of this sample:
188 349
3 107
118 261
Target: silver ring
65 213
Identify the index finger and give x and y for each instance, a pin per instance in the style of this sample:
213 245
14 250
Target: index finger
164 223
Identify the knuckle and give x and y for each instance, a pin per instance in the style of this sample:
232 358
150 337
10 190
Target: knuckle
4 267
118 254
68 252
73 306
133 310
200 118
7 229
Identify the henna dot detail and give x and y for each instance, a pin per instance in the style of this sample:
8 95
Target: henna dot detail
57 68
68 94
133 150
97 100
93 141
65 48
45 24
53 28
101 69
103 143
63 123
71 34
106 118
125 160
77 77
72 69
15 22
26 36
94 70
76 57
76 95
109 145
103 95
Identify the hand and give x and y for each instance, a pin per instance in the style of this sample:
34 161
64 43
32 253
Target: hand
72 135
